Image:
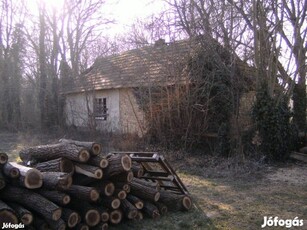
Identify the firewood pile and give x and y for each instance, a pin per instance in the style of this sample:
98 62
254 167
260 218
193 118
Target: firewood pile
71 184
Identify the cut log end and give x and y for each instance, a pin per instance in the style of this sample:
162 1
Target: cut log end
105 216
33 179
132 214
73 220
96 149
104 226
103 163
157 197
6 216
66 199
139 216
92 218
67 166
94 195
122 195
126 162
3 158
130 176
26 219
139 205
98 173
14 173
116 216
56 215
115 203
187 203
109 189
84 155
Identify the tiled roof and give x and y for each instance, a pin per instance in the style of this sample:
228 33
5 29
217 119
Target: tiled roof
152 65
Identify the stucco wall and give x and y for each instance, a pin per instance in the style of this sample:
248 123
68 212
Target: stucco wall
132 118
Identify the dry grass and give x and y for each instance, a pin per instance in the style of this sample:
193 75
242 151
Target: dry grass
226 195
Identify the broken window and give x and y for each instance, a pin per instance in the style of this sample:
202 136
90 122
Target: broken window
100 108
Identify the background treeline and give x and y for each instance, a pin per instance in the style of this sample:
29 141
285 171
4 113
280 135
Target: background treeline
42 51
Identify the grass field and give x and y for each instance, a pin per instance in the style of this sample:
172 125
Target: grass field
224 197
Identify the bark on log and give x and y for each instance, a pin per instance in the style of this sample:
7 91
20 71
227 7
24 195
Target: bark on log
137 169
29 177
3 158
56 165
2 181
128 209
110 202
139 216
83 193
93 147
122 185
105 188
89 170
56 180
118 163
41 153
138 203
175 202
162 208
7 214
33 201
80 179
71 217
101 226
82 226
144 192
151 210
57 225
153 184
89 214
10 171
116 216
99 161
40 223
56 197
23 214
126 177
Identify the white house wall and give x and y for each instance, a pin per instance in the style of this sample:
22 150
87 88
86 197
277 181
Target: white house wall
79 110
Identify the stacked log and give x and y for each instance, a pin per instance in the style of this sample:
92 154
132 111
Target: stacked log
72 184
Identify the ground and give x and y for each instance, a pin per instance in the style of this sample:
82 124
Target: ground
226 195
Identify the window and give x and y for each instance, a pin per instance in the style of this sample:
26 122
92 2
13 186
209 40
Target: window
100 108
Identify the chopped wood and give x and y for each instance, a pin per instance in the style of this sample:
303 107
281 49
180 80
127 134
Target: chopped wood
56 165
83 193
93 147
138 203
71 217
3 158
30 178
175 201
80 179
144 192
118 163
137 169
23 214
57 180
89 214
7 214
57 225
162 208
126 177
89 170
128 209
55 196
104 213
122 185
40 223
101 226
82 226
2 181
120 194
139 216
99 160
33 201
153 184
105 187
10 171
151 210
110 202
48 152
116 216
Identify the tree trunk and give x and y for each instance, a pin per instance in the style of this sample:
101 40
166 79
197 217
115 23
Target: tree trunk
93 147
174 201
53 151
99 161
10 171
126 177
128 209
89 170
144 192
162 208
33 201
104 214
110 202
56 180
57 197
116 216
83 193
105 188
29 177
71 217
137 169
120 194
57 225
23 214
7 214
138 203
118 163
89 214
57 165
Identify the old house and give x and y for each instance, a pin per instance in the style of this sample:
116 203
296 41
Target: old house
104 96
107 96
